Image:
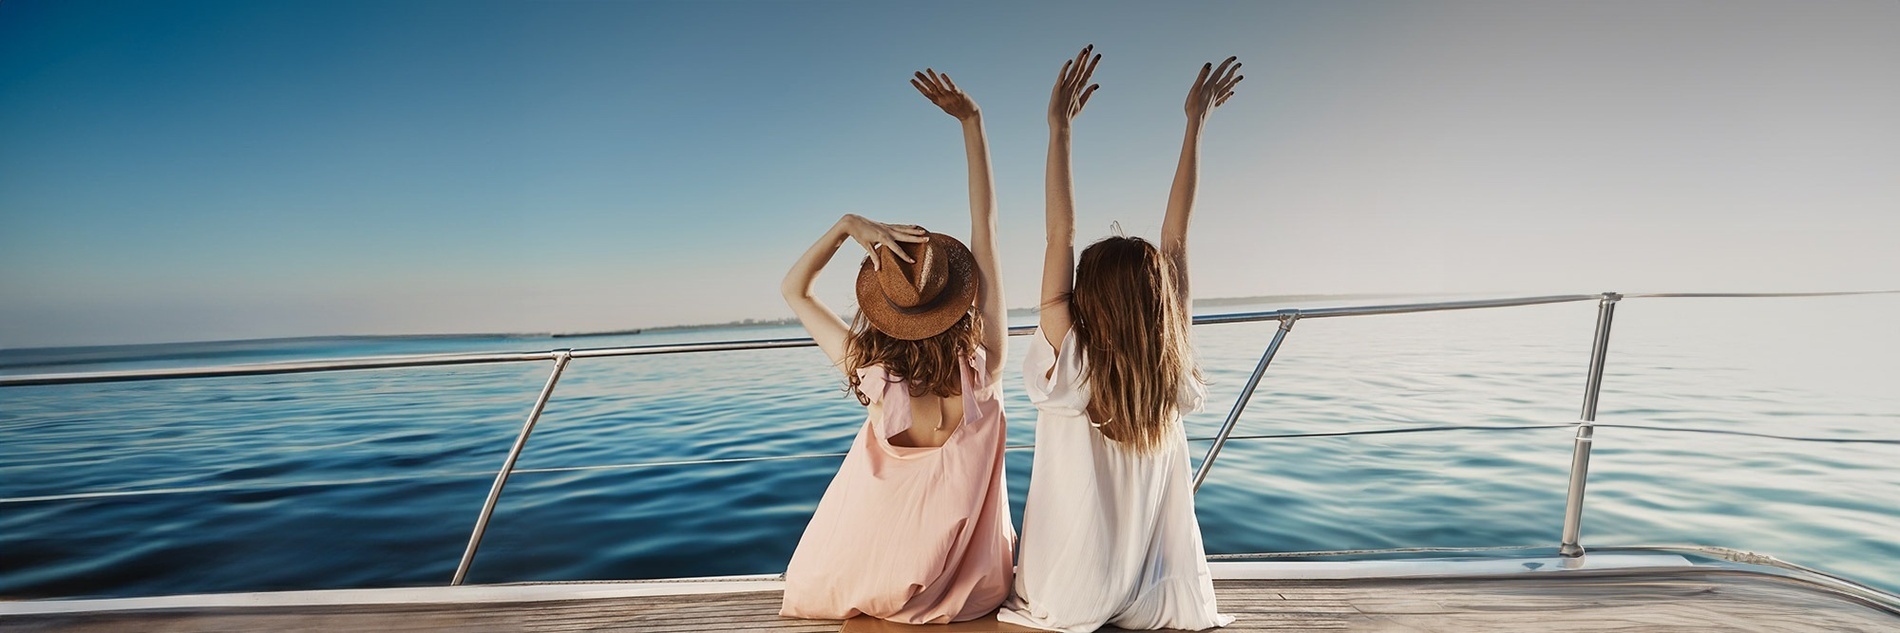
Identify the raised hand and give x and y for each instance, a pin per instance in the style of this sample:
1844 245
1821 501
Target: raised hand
1072 87
945 93
872 234
1212 88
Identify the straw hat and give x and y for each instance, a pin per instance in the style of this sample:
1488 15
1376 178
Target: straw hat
915 301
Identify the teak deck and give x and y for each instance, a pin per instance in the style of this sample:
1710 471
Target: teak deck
1698 600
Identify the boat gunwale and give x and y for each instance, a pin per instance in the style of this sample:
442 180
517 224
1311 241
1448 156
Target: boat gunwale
1634 562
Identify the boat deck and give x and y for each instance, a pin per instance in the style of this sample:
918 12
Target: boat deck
1700 599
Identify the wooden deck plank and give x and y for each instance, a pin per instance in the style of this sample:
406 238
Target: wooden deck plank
1700 600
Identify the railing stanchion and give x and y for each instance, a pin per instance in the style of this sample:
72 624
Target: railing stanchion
1586 430
508 466
1246 393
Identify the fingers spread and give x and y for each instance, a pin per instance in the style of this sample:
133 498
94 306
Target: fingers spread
1222 70
1085 97
1090 71
1080 64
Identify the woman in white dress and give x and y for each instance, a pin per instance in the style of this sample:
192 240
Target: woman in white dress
1109 534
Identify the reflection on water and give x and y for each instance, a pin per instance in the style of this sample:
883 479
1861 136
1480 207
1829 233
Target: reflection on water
397 461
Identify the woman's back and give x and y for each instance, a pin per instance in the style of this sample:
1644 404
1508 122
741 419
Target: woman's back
933 420
911 534
1109 534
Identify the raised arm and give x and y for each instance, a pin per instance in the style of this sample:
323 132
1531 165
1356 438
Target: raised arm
976 148
1071 92
1211 89
825 326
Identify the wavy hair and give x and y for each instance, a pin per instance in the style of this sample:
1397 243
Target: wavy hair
1133 331
932 365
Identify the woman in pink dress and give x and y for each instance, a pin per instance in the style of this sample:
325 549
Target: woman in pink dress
915 526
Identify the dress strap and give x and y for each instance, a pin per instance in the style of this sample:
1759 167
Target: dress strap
977 366
892 395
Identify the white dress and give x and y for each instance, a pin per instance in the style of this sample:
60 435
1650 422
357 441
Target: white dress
1109 535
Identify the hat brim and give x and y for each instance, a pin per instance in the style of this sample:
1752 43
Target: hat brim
930 319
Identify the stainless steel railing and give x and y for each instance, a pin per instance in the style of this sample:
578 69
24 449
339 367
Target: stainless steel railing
1586 432
1580 458
1288 317
439 360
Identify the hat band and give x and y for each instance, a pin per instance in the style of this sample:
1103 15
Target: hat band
920 308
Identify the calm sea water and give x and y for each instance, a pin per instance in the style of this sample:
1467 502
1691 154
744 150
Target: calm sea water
374 478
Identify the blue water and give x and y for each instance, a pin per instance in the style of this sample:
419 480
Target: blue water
374 478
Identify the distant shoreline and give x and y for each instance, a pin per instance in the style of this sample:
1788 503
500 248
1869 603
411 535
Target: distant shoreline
697 326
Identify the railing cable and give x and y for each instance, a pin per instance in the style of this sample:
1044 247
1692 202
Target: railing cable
1793 438
1364 552
1416 429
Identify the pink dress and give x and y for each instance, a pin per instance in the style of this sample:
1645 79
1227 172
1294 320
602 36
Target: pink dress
911 535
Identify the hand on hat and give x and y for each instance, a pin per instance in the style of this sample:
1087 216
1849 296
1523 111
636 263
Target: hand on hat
945 93
871 234
1072 87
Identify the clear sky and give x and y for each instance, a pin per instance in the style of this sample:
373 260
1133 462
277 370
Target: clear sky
185 170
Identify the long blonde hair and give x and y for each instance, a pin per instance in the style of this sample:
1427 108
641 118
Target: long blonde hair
1133 331
932 365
